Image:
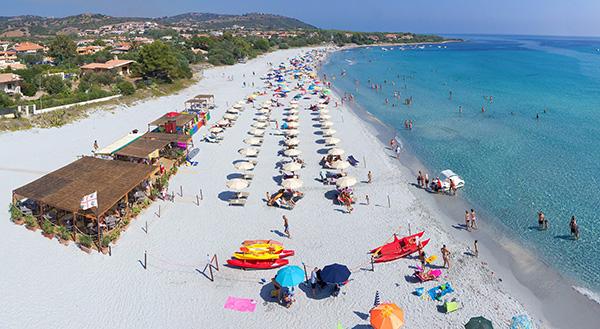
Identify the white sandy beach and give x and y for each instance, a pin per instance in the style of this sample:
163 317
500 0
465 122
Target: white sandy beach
47 285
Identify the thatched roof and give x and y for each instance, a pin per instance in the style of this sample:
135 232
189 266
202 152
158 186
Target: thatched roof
142 148
64 188
180 119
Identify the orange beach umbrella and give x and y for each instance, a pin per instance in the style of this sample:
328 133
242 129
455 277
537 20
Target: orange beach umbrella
387 316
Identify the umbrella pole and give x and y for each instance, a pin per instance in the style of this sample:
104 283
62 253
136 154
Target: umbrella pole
305 275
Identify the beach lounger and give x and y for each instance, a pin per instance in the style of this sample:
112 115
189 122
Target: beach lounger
237 202
353 161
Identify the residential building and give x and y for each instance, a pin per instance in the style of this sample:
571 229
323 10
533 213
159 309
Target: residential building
27 48
118 66
10 83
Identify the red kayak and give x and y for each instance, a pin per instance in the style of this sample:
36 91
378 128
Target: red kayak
398 248
258 264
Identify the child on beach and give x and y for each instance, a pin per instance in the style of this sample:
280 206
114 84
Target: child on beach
286 227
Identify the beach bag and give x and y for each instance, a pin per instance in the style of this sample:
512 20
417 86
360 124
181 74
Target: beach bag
450 306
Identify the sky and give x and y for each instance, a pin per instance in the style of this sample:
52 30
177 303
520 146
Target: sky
529 17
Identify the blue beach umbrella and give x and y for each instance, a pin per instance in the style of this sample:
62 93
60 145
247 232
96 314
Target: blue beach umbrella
335 273
290 276
521 322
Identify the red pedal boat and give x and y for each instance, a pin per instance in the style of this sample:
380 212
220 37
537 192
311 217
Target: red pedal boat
398 248
258 264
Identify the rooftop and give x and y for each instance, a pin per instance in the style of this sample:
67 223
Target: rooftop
9 77
112 64
64 188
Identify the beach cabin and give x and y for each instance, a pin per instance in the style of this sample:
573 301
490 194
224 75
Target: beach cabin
200 103
57 196
182 123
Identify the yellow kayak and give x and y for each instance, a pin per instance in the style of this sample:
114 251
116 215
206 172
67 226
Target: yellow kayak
262 248
251 256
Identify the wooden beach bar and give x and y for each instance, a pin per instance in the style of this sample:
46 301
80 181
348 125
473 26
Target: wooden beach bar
56 197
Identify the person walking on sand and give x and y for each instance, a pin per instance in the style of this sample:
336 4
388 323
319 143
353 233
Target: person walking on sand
467 220
473 219
475 249
446 256
369 177
420 179
286 227
574 228
95 146
422 258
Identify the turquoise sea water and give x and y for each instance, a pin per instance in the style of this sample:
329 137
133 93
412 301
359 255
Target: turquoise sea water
513 163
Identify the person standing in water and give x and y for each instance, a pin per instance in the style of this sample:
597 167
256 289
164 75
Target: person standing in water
574 228
542 222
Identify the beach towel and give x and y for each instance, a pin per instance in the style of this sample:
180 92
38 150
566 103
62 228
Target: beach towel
240 304
438 292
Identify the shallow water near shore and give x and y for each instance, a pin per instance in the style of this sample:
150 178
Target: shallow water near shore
513 163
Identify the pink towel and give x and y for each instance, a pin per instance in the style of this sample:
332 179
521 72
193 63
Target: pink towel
240 304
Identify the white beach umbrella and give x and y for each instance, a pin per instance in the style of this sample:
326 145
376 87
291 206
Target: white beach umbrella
324 111
291 132
244 165
237 184
294 102
232 110
292 183
329 132
326 124
257 132
253 141
292 152
292 117
216 130
292 112
341 165
264 111
346 182
230 116
294 106
332 141
237 105
248 151
259 124
322 106
324 117
293 124
223 122
336 151
292 166
292 141
261 118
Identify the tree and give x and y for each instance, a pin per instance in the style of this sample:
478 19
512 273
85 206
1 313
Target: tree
63 49
261 44
161 61
126 87
54 84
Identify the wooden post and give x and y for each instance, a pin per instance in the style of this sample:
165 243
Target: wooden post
305 275
197 200
201 195
367 197
145 260
181 191
364 161
372 264
158 214
389 202
216 261
146 227
409 230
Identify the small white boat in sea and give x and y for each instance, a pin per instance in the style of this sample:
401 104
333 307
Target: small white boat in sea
448 175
